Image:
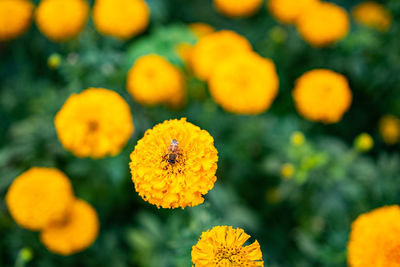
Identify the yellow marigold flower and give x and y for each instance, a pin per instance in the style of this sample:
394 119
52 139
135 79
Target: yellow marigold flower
201 29
297 138
60 20
223 246
184 51
323 23
238 8
287 170
244 83
287 11
389 129
373 14
95 123
174 164
122 19
322 95
38 197
214 48
76 232
153 80
15 18
375 239
364 142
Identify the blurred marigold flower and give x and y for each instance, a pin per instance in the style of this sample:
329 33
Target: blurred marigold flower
375 239
94 123
201 29
245 83
374 15
61 20
287 170
38 197
238 8
174 164
152 80
15 18
389 129
122 19
223 246
364 142
297 138
323 23
54 61
287 11
76 232
215 48
322 95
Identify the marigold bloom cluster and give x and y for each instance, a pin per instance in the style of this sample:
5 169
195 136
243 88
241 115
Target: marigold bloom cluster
61 20
245 83
15 18
389 129
323 23
122 19
174 164
94 123
322 95
373 14
375 239
223 246
287 11
152 80
238 8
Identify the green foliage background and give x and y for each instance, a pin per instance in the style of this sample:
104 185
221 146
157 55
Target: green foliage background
304 221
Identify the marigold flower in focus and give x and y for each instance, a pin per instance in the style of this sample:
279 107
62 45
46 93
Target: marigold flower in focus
174 164
389 129
61 20
215 48
323 23
363 142
287 11
76 232
201 29
122 19
245 83
223 246
153 80
238 8
375 239
38 197
15 18
374 15
94 123
322 95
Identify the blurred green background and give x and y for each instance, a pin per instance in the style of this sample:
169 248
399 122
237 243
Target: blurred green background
303 221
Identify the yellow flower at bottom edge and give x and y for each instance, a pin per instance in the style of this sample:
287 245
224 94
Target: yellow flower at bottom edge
375 239
223 246
244 83
389 129
60 20
287 11
322 95
238 8
323 23
77 232
15 18
94 123
373 14
122 19
174 164
39 196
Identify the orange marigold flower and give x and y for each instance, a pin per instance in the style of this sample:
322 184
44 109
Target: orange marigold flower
61 20
389 129
287 11
322 95
244 83
374 15
122 19
375 239
214 48
238 8
174 164
38 197
95 123
153 80
201 29
76 232
223 246
323 23
15 18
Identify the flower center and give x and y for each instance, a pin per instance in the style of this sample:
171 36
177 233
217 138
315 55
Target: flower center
229 256
93 126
